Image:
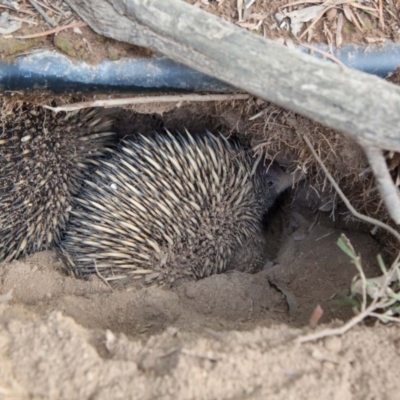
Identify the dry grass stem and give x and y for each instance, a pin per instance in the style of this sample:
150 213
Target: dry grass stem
336 331
52 31
313 23
147 100
369 220
348 7
383 299
323 53
104 280
380 7
339 27
40 10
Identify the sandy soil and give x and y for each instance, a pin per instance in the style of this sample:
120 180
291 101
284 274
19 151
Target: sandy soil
227 336
54 357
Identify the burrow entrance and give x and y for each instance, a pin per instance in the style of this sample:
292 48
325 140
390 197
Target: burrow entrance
306 266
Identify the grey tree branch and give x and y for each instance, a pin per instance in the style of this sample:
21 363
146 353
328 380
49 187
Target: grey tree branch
361 106
389 192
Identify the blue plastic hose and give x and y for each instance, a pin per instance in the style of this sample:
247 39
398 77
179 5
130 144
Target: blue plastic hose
48 70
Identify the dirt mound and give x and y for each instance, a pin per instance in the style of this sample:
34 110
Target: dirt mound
54 357
227 336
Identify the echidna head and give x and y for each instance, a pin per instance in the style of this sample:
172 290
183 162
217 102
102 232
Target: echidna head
274 181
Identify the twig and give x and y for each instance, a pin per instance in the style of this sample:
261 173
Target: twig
364 8
317 18
375 304
358 215
101 276
381 21
51 31
51 9
324 53
60 11
42 13
386 186
148 99
28 21
10 4
368 311
297 3
387 317
337 331
239 5
21 10
339 27
351 17
155 24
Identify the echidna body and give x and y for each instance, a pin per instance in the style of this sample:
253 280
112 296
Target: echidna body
167 207
43 157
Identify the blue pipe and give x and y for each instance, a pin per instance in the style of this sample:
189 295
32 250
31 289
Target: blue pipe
377 60
49 70
55 72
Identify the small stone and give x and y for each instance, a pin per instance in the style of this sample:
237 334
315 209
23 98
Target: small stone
333 344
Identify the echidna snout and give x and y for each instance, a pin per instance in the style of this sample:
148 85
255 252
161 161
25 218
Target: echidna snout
166 207
274 181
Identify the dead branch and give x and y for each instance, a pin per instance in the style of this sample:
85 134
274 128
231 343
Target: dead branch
148 99
51 31
361 106
40 10
386 186
378 302
358 104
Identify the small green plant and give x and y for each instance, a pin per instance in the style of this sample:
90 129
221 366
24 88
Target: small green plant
373 297
380 296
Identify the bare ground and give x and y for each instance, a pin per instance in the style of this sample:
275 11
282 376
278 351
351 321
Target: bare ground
228 336
225 337
54 357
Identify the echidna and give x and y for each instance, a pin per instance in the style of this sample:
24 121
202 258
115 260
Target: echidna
166 207
42 159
